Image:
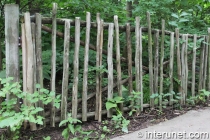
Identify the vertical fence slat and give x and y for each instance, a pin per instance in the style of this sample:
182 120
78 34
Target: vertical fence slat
151 86
110 65
39 67
129 57
76 68
193 65
65 80
97 64
137 50
161 63
30 61
183 70
53 63
171 66
85 73
11 43
141 68
205 63
156 60
208 84
178 55
186 65
101 74
119 86
200 86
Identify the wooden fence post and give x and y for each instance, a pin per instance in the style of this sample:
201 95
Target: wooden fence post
193 65
12 41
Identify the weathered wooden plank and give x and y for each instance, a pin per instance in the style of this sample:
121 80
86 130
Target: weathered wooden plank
11 43
110 65
39 67
186 65
129 58
179 70
193 65
53 63
200 86
161 63
76 68
208 84
65 80
97 64
119 87
171 67
205 63
151 86
156 61
85 73
141 68
183 70
101 74
30 60
137 51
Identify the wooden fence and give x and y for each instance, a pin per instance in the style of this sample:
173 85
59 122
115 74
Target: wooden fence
181 55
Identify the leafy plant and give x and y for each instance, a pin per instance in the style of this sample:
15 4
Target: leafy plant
13 119
119 120
73 129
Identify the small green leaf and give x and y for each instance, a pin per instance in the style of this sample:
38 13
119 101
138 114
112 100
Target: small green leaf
110 105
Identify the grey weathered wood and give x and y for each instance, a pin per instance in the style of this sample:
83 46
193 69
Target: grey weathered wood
39 67
205 63
171 66
119 87
150 58
186 65
141 68
137 61
110 65
208 84
65 81
156 61
85 73
200 86
161 63
193 65
11 43
101 74
179 71
30 61
53 63
97 64
129 58
76 68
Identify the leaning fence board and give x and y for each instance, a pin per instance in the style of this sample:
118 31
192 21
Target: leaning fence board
141 68
161 63
65 79
39 67
183 70
171 66
129 57
179 70
208 84
85 72
200 86
97 64
101 74
53 63
193 65
30 60
119 87
137 50
156 61
11 44
150 59
186 65
76 68
205 63
110 65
